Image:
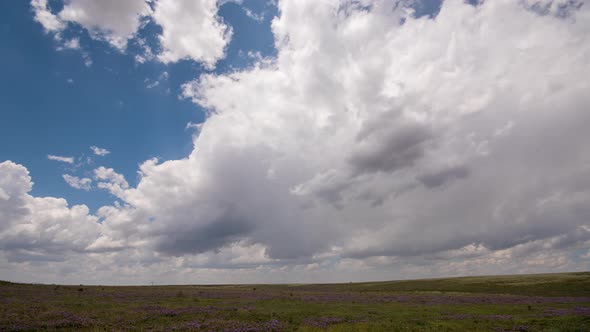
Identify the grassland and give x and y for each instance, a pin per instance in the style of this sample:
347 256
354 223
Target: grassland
550 302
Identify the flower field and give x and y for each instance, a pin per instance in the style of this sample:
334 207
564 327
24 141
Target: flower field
551 302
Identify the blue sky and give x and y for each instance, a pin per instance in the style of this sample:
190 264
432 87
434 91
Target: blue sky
337 140
54 104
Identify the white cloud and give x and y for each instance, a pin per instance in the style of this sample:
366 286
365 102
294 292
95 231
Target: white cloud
49 21
191 30
87 59
112 181
99 151
363 119
256 17
69 160
152 84
40 228
78 183
112 20
192 125
72 44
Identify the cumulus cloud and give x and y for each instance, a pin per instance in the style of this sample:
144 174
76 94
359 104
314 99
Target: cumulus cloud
78 183
110 180
113 21
68 160
99 151
383 136
377 141
49 21
43 228
190 29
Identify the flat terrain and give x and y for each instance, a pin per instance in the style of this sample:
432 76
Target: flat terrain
549 302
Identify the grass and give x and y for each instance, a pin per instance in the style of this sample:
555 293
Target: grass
550 302
558 284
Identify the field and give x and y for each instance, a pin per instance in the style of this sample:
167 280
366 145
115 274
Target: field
550 302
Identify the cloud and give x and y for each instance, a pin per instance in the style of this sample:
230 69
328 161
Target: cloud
99 151
71 44
377 142
360 126
110 180
111 20
69 160
154 83
192 125
78 183
49 21
387 149
190 29
256 17
180 19
440 177
41 227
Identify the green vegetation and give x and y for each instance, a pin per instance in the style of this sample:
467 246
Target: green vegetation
555 284
551 302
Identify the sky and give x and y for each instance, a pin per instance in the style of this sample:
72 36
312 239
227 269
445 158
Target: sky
257 141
